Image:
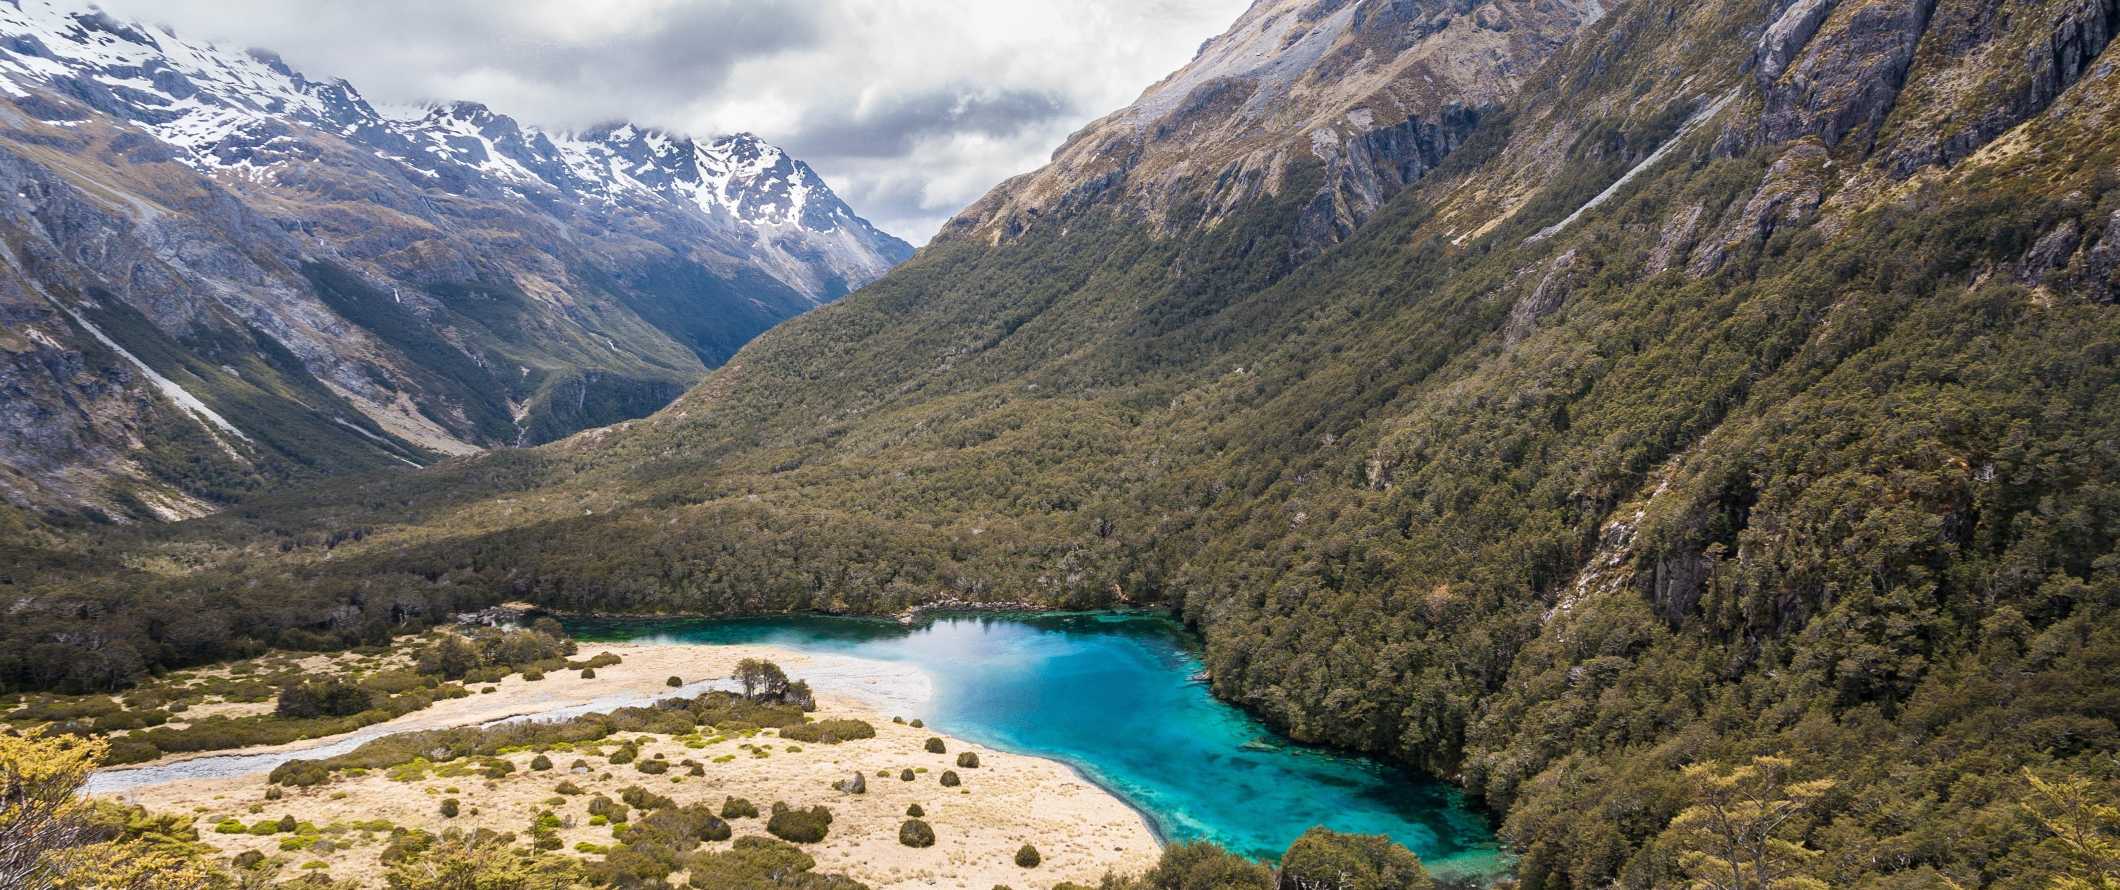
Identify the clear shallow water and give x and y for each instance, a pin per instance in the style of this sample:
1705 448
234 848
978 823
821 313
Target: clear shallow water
1113 696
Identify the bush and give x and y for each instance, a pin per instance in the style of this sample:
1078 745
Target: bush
829 732
653 767
950 780
738 808
286 824
713 829
916 724
249 860
935 746
800 826
611 810
674 682
624 754
588 673
968 760
756 863
324 698
540 763
300 773
568 788
449 808
915 833
915 811
906 775
1028 857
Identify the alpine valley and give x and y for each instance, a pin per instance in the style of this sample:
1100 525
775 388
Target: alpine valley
1689 427
222 276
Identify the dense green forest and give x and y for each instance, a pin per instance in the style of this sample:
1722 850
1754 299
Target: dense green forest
1801 446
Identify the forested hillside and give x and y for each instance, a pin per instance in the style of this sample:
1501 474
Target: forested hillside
1743 383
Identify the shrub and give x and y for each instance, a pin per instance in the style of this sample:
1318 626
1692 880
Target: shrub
323 698
273 792
588 673
713 829
611 810
935 746
568 788
915 833
249 860
906 775
829 732
624 754
540 763
738 808
1028 857
449 808
231 826
754 863
533 675
286 824
300 773
800 826
916 724
968 760
950 780
915 811
674 682
653 767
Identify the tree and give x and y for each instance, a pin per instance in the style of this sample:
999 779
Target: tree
41 775
452 657
2085 824
760 679
1736 836
1323 859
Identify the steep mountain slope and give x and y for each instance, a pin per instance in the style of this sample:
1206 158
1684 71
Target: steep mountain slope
1373 93
1745 383
221 273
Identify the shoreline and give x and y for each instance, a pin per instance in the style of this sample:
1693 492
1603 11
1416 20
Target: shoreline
1082 826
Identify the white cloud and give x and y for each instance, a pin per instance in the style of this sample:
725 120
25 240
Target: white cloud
910 108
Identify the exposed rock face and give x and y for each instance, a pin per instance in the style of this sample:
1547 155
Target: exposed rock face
224 274
1371 93
1847 75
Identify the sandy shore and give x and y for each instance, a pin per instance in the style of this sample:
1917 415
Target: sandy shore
1010 800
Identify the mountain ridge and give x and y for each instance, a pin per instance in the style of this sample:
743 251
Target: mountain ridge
434 282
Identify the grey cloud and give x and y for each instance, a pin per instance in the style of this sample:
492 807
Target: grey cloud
898 126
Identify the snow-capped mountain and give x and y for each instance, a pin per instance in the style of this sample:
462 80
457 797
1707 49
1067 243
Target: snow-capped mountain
414 280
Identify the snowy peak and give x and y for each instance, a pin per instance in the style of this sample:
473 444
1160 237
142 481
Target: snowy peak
236 112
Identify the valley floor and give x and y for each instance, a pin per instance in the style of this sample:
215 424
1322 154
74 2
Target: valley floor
1008 801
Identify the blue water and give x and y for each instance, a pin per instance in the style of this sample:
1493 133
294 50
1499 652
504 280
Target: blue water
1113 696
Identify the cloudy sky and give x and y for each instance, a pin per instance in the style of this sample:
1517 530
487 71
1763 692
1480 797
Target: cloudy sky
911 109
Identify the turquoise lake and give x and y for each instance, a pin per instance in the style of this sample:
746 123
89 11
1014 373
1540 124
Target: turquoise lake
1113 695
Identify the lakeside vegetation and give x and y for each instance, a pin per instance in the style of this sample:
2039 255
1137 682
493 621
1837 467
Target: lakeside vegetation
282 697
